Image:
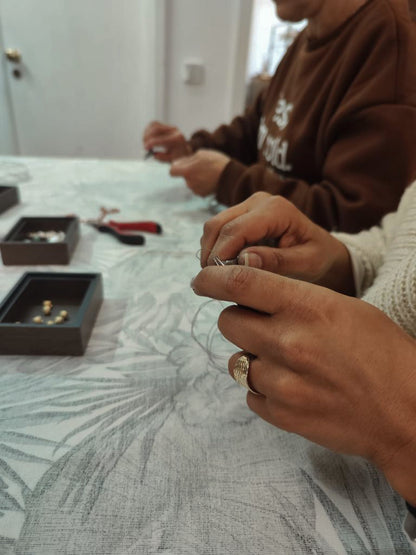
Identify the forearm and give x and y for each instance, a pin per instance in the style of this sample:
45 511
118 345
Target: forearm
320 201
238 139
323 202
232 140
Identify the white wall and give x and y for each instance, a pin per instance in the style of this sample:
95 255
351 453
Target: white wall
89 68
217 33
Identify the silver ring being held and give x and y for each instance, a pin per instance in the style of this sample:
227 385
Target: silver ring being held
241 370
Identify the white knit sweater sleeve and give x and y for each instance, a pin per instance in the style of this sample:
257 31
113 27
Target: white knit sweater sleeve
367 250
384 262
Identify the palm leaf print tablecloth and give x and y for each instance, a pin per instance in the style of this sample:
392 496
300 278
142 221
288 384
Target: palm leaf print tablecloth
144 444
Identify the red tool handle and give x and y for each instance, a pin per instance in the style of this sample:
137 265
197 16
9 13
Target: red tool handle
150 227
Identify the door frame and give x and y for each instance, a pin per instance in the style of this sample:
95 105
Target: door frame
156 59
242 34
8 132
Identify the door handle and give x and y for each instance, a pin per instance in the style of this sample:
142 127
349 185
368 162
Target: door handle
13 55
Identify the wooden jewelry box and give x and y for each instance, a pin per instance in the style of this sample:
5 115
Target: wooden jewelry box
17 249
9 196
79 295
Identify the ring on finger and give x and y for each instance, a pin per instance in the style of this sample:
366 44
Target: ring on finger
241 370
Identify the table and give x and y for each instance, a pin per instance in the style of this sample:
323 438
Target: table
144 444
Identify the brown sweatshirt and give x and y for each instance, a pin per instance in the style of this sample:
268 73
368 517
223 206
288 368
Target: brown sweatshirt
335 131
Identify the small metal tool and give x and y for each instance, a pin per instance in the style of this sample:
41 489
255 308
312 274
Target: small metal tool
125 232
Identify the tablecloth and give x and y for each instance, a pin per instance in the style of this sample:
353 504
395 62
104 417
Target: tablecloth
144 444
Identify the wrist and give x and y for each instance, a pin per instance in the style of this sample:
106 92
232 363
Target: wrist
399 471
188 148
339 274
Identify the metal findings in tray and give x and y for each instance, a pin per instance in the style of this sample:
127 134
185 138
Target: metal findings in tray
76 297
40 240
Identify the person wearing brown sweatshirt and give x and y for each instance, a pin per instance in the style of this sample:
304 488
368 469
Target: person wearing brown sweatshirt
334 132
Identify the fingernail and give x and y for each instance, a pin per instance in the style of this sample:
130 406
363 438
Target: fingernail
250 259
192 283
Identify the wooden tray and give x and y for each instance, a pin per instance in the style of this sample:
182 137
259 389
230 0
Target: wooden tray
15 251
79 294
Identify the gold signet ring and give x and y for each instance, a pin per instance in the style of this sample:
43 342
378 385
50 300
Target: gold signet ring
241 369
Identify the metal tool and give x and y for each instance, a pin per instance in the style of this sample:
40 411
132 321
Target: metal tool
125 232
126 237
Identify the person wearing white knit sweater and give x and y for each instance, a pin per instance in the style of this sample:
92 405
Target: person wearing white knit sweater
334 368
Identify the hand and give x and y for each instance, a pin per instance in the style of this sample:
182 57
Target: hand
201 171
331 368
170 139
304 250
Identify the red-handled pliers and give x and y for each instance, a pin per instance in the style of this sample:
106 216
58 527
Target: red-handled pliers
125 232
127 237
149 227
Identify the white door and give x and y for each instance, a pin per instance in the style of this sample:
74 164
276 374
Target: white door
90 75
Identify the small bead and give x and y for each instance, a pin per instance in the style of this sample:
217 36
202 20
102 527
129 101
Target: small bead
38 319
47 302
47 309
64 314
50 322
59 320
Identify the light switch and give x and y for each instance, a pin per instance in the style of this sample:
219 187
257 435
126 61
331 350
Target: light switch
193 72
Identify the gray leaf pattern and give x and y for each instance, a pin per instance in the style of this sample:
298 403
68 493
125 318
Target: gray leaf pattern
144 444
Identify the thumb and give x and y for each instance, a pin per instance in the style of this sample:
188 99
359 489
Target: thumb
292 262
179 167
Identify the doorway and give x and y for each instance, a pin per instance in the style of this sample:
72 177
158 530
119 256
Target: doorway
80 78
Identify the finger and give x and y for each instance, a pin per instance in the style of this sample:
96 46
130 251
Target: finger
245 328
156 129
213 227
162 156
232 363
289 386
279 416
260 219
315 425
260 405
166 140
253 288
263 377
180 167
293 262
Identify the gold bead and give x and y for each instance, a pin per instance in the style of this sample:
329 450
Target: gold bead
47 302
38 319
59 320
50 322
47 309
64 314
